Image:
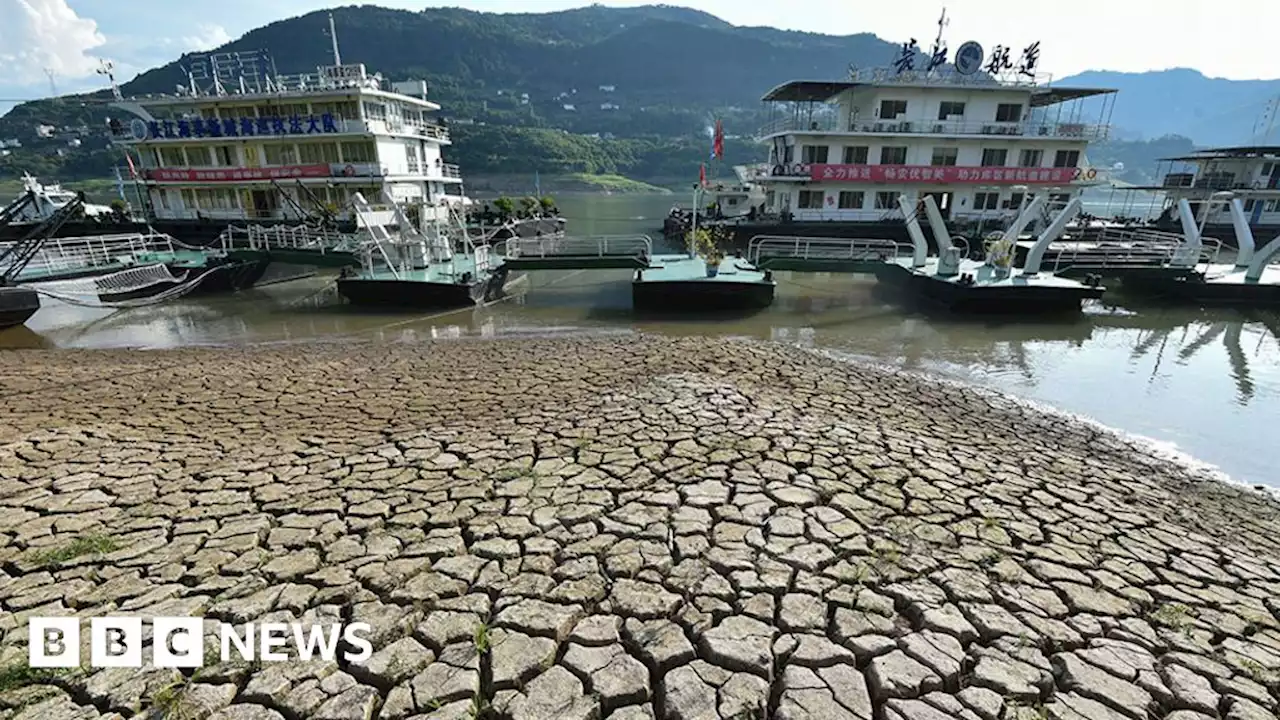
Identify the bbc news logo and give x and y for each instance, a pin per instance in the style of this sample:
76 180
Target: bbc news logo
178 642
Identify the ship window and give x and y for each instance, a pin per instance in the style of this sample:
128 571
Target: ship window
280 154
1013 203
225 156
986 200
890 109
172 157
993 157
188 199
1066 158
855 155
810 199
813 153
1030 158
947 109
893 156
886 200
770 198
317 153
944 156
1008 112
198 156
851 199
356 152
375 111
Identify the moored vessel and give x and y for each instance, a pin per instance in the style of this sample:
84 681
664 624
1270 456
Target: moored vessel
979 136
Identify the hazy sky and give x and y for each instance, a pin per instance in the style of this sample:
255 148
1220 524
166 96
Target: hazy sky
67 36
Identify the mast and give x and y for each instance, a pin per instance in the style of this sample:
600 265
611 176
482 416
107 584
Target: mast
333 35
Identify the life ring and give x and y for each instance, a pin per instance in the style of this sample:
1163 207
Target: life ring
349 170
1090 174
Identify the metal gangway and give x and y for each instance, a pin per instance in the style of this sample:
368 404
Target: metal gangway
1119 252
566 252
309 238
823 254
94 254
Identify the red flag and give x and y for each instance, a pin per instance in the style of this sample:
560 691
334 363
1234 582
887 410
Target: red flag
702 174
717 146
133 171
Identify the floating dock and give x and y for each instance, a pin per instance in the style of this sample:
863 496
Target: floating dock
993 285
682 283
1253 280
950 280
417 270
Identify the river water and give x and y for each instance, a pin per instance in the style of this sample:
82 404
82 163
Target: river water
1197 383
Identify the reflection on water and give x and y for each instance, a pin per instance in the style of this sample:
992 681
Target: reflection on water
1207 382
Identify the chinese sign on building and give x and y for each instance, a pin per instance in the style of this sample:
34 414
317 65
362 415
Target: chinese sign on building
228 174
944 174
242 127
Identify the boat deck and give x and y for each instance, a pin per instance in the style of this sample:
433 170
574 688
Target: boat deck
450 272
679 283
682 268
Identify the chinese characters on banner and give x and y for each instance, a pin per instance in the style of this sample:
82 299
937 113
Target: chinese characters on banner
242 127
941 174
229 174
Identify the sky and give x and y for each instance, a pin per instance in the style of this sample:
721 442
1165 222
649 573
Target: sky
66 38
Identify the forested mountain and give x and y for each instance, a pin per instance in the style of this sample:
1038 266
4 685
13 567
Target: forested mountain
638 88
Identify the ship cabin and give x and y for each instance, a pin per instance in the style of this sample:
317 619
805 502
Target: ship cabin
844 151
287 148
1251 174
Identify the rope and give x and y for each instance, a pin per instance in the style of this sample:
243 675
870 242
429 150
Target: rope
178 291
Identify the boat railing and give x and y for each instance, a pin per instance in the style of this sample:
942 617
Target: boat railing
1133 249
287 237
829 122
763 247
561 245
70 254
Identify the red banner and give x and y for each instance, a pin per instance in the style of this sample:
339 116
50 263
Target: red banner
285 172
945 174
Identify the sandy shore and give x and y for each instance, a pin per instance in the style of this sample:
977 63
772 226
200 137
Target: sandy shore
619 528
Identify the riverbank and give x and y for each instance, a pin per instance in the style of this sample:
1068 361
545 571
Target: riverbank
622 528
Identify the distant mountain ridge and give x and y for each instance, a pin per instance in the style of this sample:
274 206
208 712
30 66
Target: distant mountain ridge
653 76
1182 101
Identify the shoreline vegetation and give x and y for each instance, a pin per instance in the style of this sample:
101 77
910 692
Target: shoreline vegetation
621 528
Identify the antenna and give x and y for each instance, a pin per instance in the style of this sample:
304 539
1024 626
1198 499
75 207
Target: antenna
942 23
333 35
106 67
53 86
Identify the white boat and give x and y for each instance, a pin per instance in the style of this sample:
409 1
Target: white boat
240 143
45 200
981 135
1250 174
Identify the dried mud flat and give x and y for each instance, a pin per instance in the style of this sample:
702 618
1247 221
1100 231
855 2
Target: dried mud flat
619 528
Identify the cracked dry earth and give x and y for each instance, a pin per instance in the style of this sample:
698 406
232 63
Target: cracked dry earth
620 528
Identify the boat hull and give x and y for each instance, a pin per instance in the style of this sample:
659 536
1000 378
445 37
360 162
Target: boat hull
696 295
410 294
983 299
1195 291
17 305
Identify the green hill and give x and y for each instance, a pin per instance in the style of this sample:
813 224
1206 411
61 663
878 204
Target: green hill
664 71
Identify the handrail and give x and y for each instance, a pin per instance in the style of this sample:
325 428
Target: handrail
1154 253
823 248
560 245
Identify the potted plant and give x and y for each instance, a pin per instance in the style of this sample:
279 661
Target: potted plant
706 244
